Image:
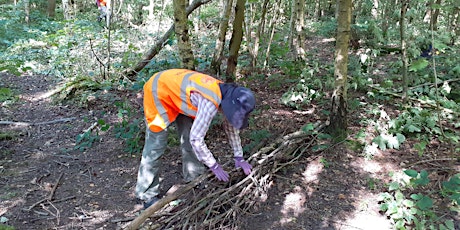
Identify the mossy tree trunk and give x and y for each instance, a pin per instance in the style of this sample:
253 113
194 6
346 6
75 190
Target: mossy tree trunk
235 41
183 39
338 117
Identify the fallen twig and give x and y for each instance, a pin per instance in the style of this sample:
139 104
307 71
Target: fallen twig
36 123
50 196
431 160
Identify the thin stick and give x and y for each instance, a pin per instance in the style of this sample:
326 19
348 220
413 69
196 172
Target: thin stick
37 123
431 160
50 197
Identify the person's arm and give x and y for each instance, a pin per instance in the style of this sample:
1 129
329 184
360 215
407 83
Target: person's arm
206 112
233 135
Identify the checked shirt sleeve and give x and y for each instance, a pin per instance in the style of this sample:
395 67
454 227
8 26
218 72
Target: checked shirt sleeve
206 112
233 135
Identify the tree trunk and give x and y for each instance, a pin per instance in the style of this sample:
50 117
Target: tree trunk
235 41
255 51
292 23
402 31
220 41
183 39
27 11
131 73
434 17
273 23
338 118
51 8
66 9
300 30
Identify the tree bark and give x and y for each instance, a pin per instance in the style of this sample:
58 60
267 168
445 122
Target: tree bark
220 41
66 9
235 41
131 73
434 17
402 31
181 29
51 8
300 30
255 50
338 118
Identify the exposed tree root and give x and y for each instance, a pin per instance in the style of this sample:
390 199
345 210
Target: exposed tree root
216 205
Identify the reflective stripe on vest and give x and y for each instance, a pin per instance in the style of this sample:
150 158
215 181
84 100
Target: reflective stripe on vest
163 117
156 101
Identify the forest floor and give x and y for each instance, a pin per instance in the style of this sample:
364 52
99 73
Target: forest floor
46 184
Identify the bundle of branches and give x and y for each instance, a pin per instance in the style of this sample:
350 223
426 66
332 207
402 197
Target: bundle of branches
214 205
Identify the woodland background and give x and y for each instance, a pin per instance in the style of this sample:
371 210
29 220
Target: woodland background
364 81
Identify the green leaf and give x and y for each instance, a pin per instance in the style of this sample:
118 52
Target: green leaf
419 64
425 203
449 224
381 142
399 196
308 127
412 173
408 203
393 186
413 128
416 196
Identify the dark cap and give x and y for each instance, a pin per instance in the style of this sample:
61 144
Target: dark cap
237 103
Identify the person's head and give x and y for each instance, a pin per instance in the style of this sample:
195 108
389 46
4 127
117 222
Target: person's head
237 103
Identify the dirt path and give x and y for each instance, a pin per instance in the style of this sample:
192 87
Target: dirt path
95 187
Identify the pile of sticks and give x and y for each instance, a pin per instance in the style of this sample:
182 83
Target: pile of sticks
207 204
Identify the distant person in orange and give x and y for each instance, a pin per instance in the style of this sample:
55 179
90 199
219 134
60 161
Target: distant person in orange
102 6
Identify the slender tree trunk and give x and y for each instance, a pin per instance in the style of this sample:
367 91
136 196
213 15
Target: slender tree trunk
338 117
66 9
220 41
273 23
182 34
255 53
434 17
300 30
235 41
27 11
51 8
402 31
292 23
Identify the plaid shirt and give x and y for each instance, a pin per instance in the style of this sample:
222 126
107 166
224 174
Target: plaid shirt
206 112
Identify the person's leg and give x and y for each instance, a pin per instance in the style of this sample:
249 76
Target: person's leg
148 182
191 166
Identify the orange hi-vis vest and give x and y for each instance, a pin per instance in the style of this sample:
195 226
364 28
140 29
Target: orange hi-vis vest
167 94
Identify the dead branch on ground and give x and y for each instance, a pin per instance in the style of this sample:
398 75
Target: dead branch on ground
36 123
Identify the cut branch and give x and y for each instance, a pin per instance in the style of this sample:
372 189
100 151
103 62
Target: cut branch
218 205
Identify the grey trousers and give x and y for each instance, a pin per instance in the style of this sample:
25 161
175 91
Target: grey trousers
148 181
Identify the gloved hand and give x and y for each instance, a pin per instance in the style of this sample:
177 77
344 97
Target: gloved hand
241 163
219 172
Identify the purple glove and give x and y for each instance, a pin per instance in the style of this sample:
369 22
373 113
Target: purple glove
241 163
219 172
